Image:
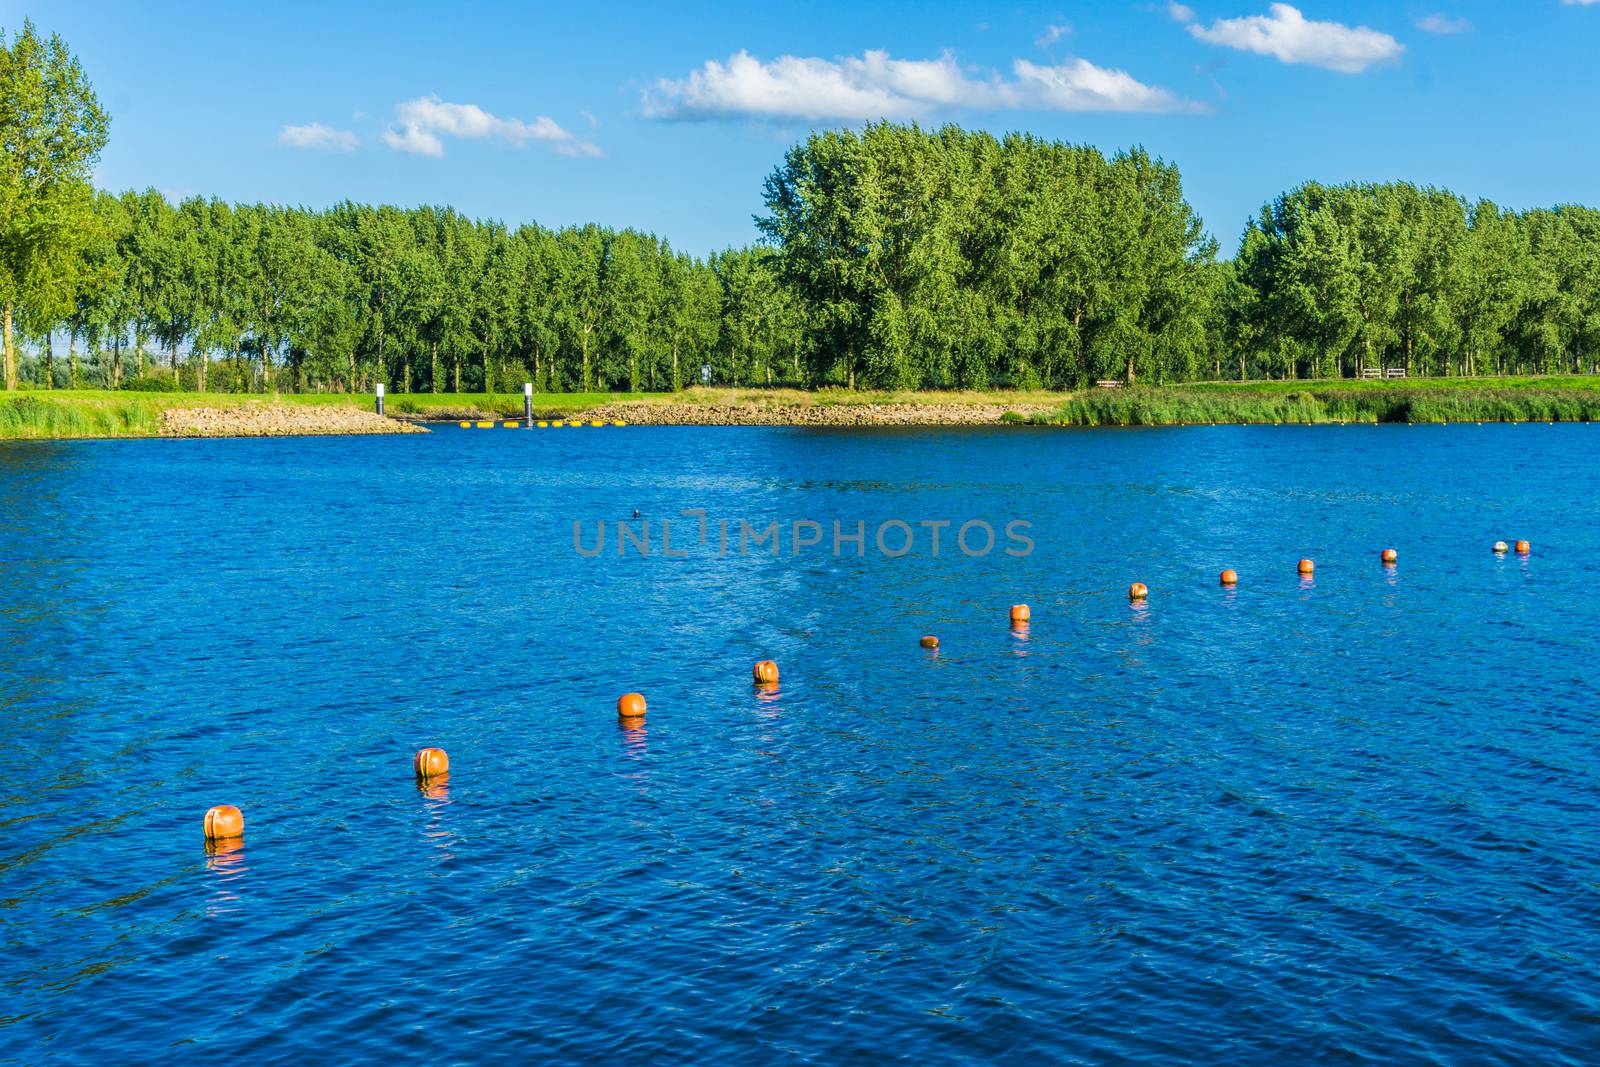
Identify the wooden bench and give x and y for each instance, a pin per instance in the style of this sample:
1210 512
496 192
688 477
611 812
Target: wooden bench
1372 372
1395 372
1109 383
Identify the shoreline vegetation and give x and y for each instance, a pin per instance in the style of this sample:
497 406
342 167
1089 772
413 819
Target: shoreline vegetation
888 257
67 414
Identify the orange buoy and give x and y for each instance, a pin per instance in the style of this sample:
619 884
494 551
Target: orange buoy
1500 547
1229 577
929 642
224 822
1390 555
430 762
1307 567
1138 591
1523 548
630 706
765 672
1020 613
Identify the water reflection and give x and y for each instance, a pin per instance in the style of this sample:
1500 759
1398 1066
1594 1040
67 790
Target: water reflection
634 735
435 792
1019 633
436 787
225 862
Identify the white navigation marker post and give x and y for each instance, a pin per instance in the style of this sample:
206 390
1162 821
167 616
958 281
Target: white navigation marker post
527 403
380 398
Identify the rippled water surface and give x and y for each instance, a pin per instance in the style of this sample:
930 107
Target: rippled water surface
1354 819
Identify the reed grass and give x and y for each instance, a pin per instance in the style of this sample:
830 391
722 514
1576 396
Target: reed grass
1186 406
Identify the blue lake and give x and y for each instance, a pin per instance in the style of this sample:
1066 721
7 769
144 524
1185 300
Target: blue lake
1355 819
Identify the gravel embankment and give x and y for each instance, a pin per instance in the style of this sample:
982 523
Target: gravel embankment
911 414
278 420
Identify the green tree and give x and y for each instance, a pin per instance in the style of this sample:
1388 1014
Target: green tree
52 130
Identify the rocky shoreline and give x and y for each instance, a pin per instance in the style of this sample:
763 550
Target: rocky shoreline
906 414
279 420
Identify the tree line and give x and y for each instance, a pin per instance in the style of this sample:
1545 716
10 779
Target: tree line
890 257
237 297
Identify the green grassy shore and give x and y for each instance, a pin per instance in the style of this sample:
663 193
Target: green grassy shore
103 413
1430 400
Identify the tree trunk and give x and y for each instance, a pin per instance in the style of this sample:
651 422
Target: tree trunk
433 358
266 366
49 359
455 362
72 358
588 385
116 362
405 371
9 353
138 342
176 380
200 370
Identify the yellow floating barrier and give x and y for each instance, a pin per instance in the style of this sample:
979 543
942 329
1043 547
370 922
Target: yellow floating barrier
558 422
542 425
618 422
486 425
597 422
466 425
511 425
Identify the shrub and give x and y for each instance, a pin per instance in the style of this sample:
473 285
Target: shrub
151 383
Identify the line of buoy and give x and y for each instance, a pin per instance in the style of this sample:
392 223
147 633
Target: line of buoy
509 424
225 822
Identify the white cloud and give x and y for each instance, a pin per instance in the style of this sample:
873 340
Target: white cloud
1580 3
1079 85
1052 34
1443 24
875 85
421 124
1180 12
1288 35
316 136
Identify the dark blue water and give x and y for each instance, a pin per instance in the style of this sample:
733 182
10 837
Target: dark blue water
1352 820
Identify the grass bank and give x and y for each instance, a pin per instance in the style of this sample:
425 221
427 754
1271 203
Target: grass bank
1441 400
102 413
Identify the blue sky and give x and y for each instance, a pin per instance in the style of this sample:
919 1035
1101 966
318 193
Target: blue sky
668 118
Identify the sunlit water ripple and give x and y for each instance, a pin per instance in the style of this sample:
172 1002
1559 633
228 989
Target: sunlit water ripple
1353 820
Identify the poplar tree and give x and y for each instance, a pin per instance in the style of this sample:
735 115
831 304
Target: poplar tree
52 130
